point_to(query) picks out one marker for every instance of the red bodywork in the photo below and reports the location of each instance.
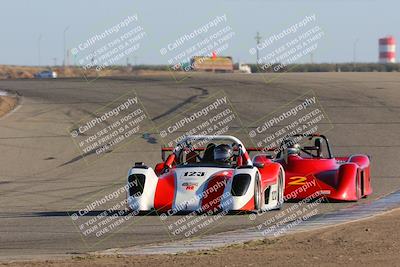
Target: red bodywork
(335, 178)
(338, 179)
(165, 191)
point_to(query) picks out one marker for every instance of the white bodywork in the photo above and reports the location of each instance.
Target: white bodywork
(191, 200)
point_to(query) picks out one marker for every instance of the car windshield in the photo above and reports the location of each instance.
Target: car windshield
(206, 164)
(306, 148)
(208, 153)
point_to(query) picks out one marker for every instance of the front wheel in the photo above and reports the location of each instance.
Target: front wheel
(281, 186)
(257, 195)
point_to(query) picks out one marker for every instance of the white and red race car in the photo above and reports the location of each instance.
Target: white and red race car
(207, 173)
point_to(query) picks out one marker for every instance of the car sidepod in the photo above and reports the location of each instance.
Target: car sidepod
(141, 186)
(354, 179)
(252, 189)
(273, 185)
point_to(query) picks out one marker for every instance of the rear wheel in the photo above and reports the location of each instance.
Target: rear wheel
(358, 189)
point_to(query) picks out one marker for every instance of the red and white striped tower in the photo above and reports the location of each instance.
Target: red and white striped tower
(387, 50)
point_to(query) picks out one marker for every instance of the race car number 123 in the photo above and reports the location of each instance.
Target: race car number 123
(194, 174)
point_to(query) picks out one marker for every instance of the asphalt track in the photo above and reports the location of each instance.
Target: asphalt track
(43, 177)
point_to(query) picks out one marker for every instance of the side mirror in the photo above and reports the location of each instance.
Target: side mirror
(159, 169)
(140, 165)
(317, 144)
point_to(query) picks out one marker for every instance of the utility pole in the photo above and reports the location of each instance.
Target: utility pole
(67, 62)
(258, 39)
(355, 54)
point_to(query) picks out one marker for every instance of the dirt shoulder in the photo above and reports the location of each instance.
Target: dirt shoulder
(7, 103)
(28, 72)
(372, 242)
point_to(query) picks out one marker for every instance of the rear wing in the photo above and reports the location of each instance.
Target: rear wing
(259, 149)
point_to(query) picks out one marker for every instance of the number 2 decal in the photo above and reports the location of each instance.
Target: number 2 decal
(297, 180)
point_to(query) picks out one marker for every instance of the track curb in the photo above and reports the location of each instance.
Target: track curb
(334, 218)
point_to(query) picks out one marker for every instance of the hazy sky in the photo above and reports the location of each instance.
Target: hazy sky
(343, 22)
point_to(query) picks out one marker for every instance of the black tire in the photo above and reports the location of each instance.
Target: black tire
(358, 189)
(257, 195)
(281, 192)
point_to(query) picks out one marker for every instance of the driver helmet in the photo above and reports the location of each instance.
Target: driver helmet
(293, 149)
(223, 153)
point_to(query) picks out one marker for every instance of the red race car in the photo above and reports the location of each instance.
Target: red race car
(203, 173)
(312, 171)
